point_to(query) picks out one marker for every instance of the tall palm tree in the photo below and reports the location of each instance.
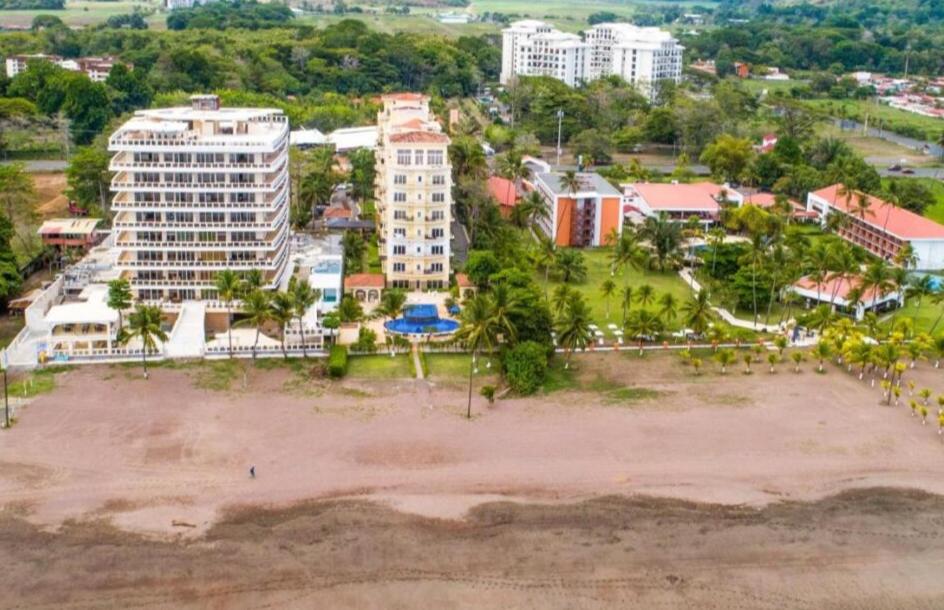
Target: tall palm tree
(282, 312)
(877, 276)
(668, 307)
(504, 307)
(561, 297)
(645, 294)
(478, 332)
(258, 313)
(252, 280)
(642, 325)
(119, 299)
(627, 297)
(665, 239)
(144, 323)
(304, 297)
(607, 288)
(573, 326)
(570, 181)
(545, 257)
(697, 312)
(570, 264)
(391, 303)
(227, 284)
(716, 237)
(512, 167)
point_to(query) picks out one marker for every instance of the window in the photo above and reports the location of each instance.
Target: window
(242, 217)
(399, 267)
(437, 215)
(181, 256)
(439, 180)
(150, 255)
(329, 295)
(242, 198)
(399, 232)
(399, 215)
(179, 216)
(399, 197)
(208, 178)
(435, 157)
(238, 236)
(147, 177)
(212, 217)
(208, 158)
(436, 267)
(439, 197)
(212, 198)
(399, 250)
(403, 157)
(418, 157)
(437, 233)
(399, 179)
(437, 249)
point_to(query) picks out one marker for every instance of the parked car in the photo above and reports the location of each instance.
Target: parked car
(894, 168)
(908, 171)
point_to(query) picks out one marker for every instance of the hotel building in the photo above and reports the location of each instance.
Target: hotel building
(641, 56)
(413, 192)
(96, 68)
(200, 189)
(584, 217)
(880, 227)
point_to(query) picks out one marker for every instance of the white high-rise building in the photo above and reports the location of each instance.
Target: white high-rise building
(199, 189)
(413, 193)
(641, 56)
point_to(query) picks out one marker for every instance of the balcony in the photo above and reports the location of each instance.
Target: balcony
(124, 201)
(272, 242)
(123, 182)
(270, 164)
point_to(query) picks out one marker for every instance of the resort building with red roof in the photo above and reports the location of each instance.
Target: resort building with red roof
(846, 295)
(880, 227)
(679, 201)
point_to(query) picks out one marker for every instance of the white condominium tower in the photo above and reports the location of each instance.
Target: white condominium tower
(200, 189)
(641, 56)
(533, 48)
(414, 180)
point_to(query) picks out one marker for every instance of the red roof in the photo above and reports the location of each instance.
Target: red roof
(700, 196)
(463, 281)
(412, 124)
(405, 97)
(503, 190)
(337, 212)
(841, 286)
(897, 221)
(420, 137)
(364, 280)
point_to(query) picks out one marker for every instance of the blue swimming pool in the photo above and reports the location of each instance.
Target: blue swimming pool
(421, 320)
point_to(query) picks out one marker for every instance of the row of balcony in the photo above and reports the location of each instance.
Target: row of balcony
(122, 182)
(125, 201)
(269, 163)
(228, 143)
(272, 242)
(148, 225)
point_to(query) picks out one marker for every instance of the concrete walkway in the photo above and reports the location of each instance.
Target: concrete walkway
(726, 315)
(188, 338)
(417, 363)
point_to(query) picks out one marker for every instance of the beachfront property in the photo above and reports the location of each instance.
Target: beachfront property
(640, 56)
(838, 293)
(584, 217)
(199, 189)
(679, 202)
(879, 227)
(70, 233)
(96, 68)
(413, 194)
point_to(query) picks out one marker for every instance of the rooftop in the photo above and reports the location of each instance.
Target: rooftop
(701, 196)
(841, 287)
(589, 183)
(365, 280)
(882, 215)
(70, 226)
(503, 190)
(420, 137)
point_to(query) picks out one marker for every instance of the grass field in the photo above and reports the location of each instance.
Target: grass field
(891, 119)
(380, 366)
(456, 366)
(83, 12)
(936, 211)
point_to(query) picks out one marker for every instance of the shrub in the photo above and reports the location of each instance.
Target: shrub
(366, 340)
(337, 361)
(525, 367)
(488, 393)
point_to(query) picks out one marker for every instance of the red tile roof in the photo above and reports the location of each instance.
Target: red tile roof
(700, 196)
(424, 137)
(337, 212)
(503, 190)
(463, 281)
(897, 221)
(841, 286)
(412, 124)
(364, 280)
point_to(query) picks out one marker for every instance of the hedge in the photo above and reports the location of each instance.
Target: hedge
(337, 361)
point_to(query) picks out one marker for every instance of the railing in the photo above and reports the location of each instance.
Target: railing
(202, 186)
(269, 166)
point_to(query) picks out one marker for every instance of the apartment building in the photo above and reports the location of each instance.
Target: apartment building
(96, 68)
(584, 216)
(641, 56)
(413, 193)
(199, 189)
(880, 227)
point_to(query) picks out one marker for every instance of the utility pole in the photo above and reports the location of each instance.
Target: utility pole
(560, 120)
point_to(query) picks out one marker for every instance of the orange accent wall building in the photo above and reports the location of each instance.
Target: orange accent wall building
(582, 218)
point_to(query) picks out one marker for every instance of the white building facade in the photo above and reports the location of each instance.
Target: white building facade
(641, 56)
(200, 189)
(413, 193)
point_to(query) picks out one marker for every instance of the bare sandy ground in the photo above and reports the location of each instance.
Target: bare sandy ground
(748, 468)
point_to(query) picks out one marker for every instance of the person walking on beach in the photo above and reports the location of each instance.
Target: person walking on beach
(252, 472)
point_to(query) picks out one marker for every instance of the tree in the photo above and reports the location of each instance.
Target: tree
(130, 89)
(644, 295)
(724, 358)
(728, 156)
(480, 266)
(665, 238)
(256, 307)
(573, 325)
(668, 307)
(304, 297)
(595, 147)
(282, 312)
(525, 367)
(797, 358)
(16, 199)
(350, 310)
(144, 324)
(607, 288)
(227, 284)
(119, 299)
(88, 177)
(627, 297)
(697, 312)
(570, 265)
(355, 249)
(87, 106)
(643, 325)
(478, 332)
(773, 359)
(391, 303)
(822, 351)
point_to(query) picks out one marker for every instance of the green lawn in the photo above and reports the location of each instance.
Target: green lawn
(381, 366)
(83, 12)
(456, 366)
(891, 118)
(598, 271)
(936, 211)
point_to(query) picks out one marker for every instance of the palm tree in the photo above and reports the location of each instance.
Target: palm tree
(668, 307)
(725, 358)
(570, 181)
(227, 284)
(606, 289)
(570, 265)
(252, 280)
(665, 238)
(780, 342)
(697, 312)
(772, 360)
(512, 167)
(716, 237)
(561, 297)
(504, 306)
(642, 325)
(478, 332)
(144, 323)
(573, 326)
(282, 312)
(119, 298)
(696, 365)
(304, 297)
(391, 303)
(821, 352)
(258, 312)
(626, 300)
(545, 257)
(645, 294)
(747, 359)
